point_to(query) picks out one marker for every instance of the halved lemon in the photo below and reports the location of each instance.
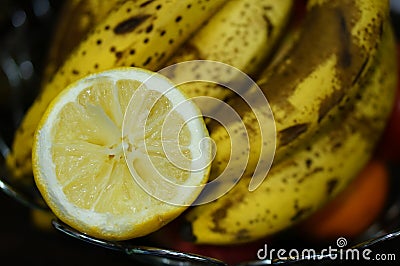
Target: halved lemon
(120, 153)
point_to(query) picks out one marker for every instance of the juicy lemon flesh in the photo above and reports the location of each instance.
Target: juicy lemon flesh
(87, 151)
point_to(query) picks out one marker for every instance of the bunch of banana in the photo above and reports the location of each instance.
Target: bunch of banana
(154, 34)
(77, 18)
(310, 86)
(312, 174)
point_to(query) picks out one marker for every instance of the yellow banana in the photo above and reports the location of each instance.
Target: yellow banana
(310, 176)
(76, 19)
(313, 83)
(141, 33)
(242, 34)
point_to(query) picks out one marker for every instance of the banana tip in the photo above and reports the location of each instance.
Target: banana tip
(186, 232)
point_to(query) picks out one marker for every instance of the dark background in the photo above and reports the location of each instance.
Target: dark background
(20, 241)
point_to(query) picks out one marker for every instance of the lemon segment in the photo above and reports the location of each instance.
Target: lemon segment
(120, 153)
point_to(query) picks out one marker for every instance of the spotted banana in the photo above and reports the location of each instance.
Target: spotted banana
(242, 34)
(310, 176)
(312, 84)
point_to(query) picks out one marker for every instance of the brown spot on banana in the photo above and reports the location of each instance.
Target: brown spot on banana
(270, 25)
(329, 102)
(146, 3)
(130, 24)
(300, 213)
(218, 215)
(288, 134)
(242, 235)
(361, 71)
(331, 185)
(221, 213)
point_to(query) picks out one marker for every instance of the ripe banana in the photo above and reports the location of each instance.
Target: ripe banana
(143, 33)
(76, 19)
(311, 175)
(242, 34)
(312, 84)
